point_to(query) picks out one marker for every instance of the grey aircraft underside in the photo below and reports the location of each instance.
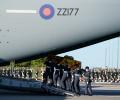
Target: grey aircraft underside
(30, 28)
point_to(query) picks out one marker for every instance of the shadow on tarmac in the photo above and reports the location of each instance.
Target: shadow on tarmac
(97, 90)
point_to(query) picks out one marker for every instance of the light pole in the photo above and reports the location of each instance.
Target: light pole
(118, 52)
(105, 57)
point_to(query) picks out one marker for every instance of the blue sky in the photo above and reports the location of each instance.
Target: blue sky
(94, 56)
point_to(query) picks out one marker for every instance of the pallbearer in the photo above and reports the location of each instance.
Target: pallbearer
(64, 77)
(77, 80)
(48, 74)
(56, 74)
(69, 80)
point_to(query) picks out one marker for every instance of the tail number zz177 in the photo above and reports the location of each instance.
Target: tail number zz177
(67, 11)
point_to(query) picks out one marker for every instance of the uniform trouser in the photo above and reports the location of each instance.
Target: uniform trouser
(76, 84)
(63, 80)
(45, 77)
(88, 88)
(55, 78)
(69, 84)
(61, 74)
(73, 88)
(49, 76)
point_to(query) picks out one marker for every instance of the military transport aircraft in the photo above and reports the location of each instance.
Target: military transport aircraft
(34, 28)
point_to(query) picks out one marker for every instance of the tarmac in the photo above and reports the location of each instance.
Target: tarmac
(100, 92)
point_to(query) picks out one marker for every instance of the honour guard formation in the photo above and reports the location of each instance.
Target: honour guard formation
(65, 74)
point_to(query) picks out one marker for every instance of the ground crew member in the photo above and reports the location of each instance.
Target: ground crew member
(88, 89)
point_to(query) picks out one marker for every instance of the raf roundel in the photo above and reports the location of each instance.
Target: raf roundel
(47, 11)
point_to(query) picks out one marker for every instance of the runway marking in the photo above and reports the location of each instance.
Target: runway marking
(21, 11)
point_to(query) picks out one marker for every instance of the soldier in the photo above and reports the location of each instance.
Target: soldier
(108, 76)
(101, 75)
(56, 74)
(88, 89)
(116, 75)
(64, 77)
(52, 64)
(77, 75)
(69, 80)
(0, 72)
(30, 73)
(8, 72)
(3, 72)
(16, 73)
(61, 71)
(20, 73)
(119, 75)
(49, 71)
(45, 77)
(24, 73)
(113, 76)
(37, 74)
(93, 74)
(97, 75)
(72, 83)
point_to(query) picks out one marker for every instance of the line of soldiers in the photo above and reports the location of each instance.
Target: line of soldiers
(105, 75)
(60, 75)
(16, 73)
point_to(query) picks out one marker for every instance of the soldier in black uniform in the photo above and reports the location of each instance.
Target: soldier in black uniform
(45, 77)
(37, 74)
(69, 80)
(116, 75)
(93, 74)
(101, 75)
(52, 64)
(20, 73)
(77, 75)
(72, 83)
(49, 71)
(25, 73)
(0, 72)
(64, 77)
(97, 75)
(88, 89)
(3, 72)
(8, 72)
(56, 74)
(30, 73)
(61, 71)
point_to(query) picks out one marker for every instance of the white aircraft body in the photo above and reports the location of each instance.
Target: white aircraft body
(31, 28)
